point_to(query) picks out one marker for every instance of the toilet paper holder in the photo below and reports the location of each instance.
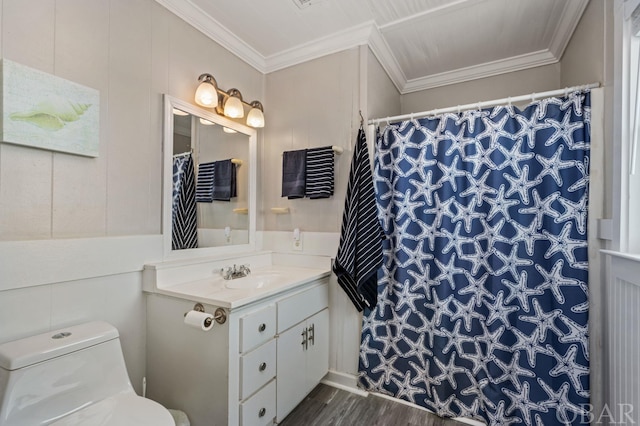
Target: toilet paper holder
(220, 316)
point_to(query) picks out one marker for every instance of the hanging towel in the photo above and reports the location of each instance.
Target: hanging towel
(204, 185)
(319, 179)
(294, 173)
(224, 180)
(184, 229)
(360, 251)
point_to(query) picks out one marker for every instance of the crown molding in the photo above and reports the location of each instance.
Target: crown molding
(568, 22)
(204, 23)
(369, 34)
(342, 40)
(488, 69)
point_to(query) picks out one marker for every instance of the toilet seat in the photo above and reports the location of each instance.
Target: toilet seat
(124, 409)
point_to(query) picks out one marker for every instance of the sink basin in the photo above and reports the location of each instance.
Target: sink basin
(253, 280)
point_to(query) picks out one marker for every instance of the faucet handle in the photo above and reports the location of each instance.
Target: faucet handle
(226, 272)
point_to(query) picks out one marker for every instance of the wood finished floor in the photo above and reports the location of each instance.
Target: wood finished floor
(326, 405)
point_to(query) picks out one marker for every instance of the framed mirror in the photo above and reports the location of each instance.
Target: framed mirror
(223, 219)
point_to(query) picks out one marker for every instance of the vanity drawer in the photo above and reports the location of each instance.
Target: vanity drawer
(257, 368)
(260, 409)
(300, 306)
(257, 327)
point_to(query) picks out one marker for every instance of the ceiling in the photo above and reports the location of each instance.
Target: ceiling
(420, 43)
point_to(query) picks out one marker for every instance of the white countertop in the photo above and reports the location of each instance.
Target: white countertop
(272, 280)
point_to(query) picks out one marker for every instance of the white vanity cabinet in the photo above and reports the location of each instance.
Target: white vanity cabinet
(303, 361)
(248, 371)
(303, 347)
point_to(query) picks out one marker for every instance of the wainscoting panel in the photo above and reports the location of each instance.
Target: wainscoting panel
(623, 342)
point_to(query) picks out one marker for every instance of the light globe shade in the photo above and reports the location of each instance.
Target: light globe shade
(233, 107)
(180, 112)
(255, 118)
(206, 95)
(228, 130)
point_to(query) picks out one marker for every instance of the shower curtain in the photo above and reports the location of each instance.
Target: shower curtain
(483, 309)
(184, 221)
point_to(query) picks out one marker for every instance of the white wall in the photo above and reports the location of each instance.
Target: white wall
(76, 231)
(382, 96)
(313, 104)
(523, 82)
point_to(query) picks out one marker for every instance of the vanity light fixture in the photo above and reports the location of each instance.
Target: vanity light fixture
(228, 103)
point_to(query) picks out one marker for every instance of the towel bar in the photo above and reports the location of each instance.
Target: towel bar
(336, 149)
(280, 210)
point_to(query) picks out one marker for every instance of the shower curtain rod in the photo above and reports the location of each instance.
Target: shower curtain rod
(480, 105)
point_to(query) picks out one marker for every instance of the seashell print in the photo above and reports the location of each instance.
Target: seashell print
(52, 114)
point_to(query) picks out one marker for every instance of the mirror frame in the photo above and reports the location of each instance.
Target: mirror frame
(167, 180)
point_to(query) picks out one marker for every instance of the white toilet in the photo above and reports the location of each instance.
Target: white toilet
(72, 376)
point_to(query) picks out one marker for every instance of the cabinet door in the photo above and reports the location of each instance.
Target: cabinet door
(318, 348)
(291, 370)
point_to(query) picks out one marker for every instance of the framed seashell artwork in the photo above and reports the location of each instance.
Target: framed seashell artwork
(45, 111)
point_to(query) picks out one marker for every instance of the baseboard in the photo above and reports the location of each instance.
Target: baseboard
(344, 381)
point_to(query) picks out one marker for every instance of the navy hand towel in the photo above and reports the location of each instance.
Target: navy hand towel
(204, 185)
(224, 180)
(319, 182)
(360, 251)
(294, 173)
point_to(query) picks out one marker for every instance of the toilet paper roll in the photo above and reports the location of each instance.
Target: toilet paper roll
(200, 320)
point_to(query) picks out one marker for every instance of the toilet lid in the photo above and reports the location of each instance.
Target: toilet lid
(125, 409)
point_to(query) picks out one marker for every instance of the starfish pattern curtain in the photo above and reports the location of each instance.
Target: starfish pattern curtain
(483, 299)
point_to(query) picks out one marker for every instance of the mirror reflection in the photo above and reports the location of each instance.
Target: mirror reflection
(219, 182)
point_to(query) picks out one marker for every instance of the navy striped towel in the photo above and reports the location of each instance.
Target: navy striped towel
(224, 180)
(204, 185)
(184, 222)
(319, 182)
(293, 173)
(360, 251)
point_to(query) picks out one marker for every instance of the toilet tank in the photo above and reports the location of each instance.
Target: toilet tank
(48, 376)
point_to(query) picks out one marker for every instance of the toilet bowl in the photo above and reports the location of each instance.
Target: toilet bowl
(72, 376)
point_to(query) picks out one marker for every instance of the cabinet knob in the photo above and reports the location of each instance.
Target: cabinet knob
(263, 366)
(262, 327)
(262, 412)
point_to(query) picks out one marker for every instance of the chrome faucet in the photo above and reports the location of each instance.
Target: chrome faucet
(230, 273)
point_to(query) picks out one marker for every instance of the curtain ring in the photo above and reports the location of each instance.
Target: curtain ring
(458, 109)
(566, 92)
(533, 97)
(509, 101)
